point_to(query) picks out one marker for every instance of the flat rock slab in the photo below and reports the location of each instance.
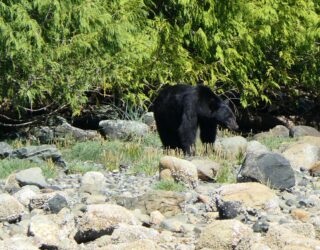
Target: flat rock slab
(39, 154)
(250, 194)
(31, 176)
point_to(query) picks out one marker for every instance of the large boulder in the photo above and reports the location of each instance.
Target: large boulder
(250, 195)
(181, 170)
(268, 168)
(302, 155)
(297, 131)
(101, 219)
(122, 129)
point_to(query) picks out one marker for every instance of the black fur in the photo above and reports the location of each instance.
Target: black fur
(180, 109)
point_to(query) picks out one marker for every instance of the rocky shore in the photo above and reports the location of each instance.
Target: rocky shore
(273, 204)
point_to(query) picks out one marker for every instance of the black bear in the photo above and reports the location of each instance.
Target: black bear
(180, 109)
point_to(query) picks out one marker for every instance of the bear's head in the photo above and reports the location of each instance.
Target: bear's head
(223, 114)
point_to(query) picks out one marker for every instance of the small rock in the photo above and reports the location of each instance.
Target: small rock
(148, 118)
(93, 182)
(56, 203)
(260, 227)
(255, 147)
(5, 150)
(11, 185)
(25, 194)
(156, 217)
(207, 169)
(128, 233)
(31, 176)
(315, 169)
(228, 209)
(172, 225)
(300, 214)
(11, 209)
(181, 170)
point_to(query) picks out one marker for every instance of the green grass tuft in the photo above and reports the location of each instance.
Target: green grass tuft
(274, 143)
(8, 166)
(169, 186)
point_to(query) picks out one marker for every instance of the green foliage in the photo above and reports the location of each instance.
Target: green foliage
(169, 186)
(253, 48)
(53, 52)
(8, 166)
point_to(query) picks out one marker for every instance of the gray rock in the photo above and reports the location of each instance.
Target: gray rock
(5, 149)
(128, 233)
(268, 168)
(207, 169)
(43, 134)
(122, 129)
(302, 155)
(180, 170)
(18, 242)
(56, 203)
(93, 182)
(166, 202)
(44, 231)
(277, 131)
(148, 118)
(25, 194)
(297, 131)
(256, 147)
(31, 176)
(65, 130)
(101, 219)
(39, 154)
(260, 226)
(11, 209)
(231, 146)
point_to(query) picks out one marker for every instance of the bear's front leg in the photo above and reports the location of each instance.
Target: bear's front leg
(187, 133)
